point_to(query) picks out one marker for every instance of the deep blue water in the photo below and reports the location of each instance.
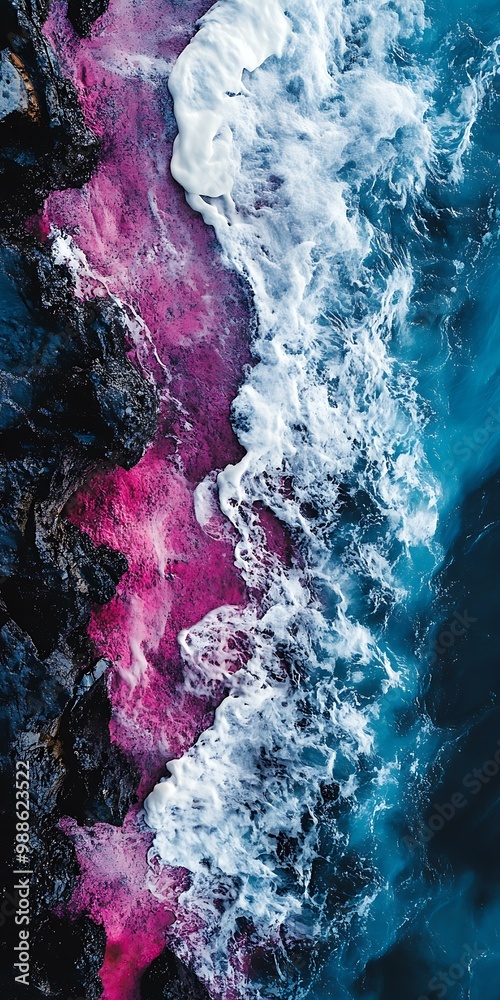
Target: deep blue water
(364, 213)
(434, 931)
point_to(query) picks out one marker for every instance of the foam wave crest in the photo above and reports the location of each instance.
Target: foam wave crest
(289, 120)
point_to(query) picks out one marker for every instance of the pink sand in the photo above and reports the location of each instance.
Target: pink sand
(138, 235)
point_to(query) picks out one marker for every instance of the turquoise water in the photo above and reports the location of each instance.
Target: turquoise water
(433, 930)
(363, 158)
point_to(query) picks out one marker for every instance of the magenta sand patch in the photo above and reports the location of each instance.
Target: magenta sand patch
(144, 246)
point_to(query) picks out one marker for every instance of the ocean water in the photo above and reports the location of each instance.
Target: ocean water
(341, 814)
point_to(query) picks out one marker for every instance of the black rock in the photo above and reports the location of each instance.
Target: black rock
(56, 871)
(100, 782)
(73, 401)
(66, 958)
(167, 978)
(44, 142)
(70, 402)
(83, 13)
(30, 693)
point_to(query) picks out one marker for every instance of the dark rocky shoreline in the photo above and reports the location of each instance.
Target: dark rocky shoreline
(71, 402)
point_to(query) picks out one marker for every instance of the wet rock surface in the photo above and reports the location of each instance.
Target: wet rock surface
(44, 142)
(169, 979)
(83, 13)
(100, 783)
(67, 957)
(70, 401)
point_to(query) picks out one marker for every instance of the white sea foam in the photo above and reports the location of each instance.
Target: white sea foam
(286, 122)
(235, 35)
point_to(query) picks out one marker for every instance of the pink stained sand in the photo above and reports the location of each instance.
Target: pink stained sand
(145, 246)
